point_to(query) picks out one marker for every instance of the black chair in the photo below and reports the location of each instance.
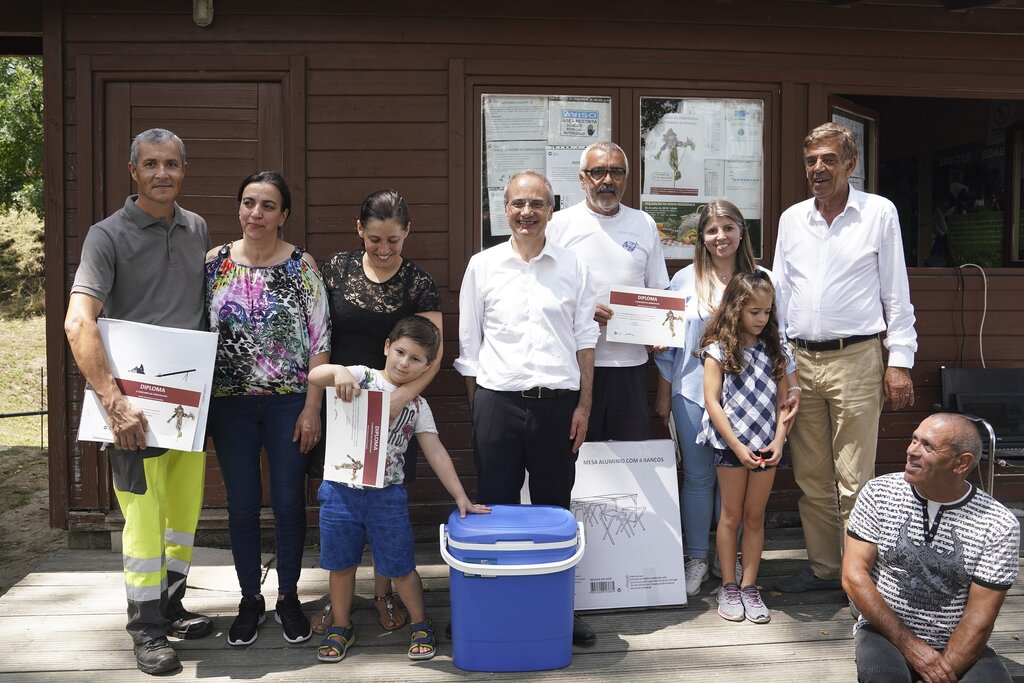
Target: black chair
(959, 381)
(989, 447)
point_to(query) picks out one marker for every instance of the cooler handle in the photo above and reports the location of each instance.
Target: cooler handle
(513, 569)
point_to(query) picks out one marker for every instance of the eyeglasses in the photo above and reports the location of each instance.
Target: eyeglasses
(600, 172)
(535, 204)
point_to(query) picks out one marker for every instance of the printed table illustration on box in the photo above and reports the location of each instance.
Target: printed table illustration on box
(614, 512)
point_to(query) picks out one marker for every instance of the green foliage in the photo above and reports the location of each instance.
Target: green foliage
(22, 364)
(21, 134)
(21, 265)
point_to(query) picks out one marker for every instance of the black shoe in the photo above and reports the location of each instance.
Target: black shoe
(156, 657)
(294, 623)
(189, 625)
(806, 581)
(251, 613)
(581, 633)
(448, 631)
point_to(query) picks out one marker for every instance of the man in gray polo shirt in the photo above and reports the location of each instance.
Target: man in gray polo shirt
(144, 264)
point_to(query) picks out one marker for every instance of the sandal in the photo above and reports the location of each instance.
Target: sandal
(323, 621)
(391, 614)
(336, 643)
(421, 635)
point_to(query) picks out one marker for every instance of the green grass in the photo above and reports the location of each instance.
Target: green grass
(22, 356)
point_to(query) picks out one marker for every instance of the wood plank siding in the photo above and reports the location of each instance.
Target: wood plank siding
(350, 98)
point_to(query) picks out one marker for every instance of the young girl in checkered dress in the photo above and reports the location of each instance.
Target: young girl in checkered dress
(744, 362)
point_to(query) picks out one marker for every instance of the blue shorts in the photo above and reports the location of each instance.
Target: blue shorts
(349, 517)
(724, 457)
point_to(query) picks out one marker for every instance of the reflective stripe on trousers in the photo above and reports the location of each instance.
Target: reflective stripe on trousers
(159, 532)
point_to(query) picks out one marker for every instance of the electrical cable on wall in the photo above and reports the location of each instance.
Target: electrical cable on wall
(959, 334)
(984, 306)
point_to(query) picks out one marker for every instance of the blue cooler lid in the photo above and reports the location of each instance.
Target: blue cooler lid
(534, 523)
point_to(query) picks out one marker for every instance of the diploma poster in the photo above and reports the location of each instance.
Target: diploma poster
(357, 438)
(645, 316)
(627, 498)
(695, 150)
(164, 371)
(543, 133)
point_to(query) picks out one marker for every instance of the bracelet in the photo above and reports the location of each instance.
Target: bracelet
(796, 389)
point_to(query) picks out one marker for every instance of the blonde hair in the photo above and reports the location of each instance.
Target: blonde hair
(704, 274)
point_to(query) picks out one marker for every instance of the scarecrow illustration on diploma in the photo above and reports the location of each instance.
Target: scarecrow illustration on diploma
(179, 415)
(670, 320)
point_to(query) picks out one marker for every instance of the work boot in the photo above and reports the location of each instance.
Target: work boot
(156, 656)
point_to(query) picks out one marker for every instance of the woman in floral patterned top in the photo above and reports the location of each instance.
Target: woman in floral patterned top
(369, 290)
(269, 307)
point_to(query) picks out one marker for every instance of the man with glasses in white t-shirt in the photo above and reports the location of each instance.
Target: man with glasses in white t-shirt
(621, 246)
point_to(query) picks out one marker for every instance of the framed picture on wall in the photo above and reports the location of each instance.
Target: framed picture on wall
(694, 150)
(863, 123)
(542, 133)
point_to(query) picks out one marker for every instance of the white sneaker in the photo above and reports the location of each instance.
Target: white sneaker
(753, 607)
(730, 602)
(696, 571)
(716, 569)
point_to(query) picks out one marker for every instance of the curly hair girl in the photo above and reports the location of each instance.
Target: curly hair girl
(725, 326)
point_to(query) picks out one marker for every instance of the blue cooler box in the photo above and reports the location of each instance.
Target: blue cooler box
(512, 582)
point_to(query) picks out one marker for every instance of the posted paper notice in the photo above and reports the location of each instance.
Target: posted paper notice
(357, 438)
(646, 316)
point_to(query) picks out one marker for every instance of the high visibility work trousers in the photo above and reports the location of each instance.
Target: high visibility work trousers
(160, 497)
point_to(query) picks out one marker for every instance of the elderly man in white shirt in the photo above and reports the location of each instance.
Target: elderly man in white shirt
(526, 348)
(621, 246)
(842, 281)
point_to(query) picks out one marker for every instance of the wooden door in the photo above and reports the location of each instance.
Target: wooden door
(230, 129)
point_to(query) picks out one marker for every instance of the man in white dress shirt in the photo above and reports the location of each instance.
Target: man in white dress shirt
(621, 246)
(842, 281)
(526, 348)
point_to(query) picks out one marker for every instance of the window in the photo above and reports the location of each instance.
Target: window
(543, 133)
(693, 150)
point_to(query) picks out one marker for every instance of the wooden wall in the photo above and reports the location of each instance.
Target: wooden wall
(381, 95)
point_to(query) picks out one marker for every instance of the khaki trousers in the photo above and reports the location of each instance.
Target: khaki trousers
(833, 443)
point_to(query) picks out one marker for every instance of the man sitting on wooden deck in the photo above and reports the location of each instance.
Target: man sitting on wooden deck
(928, 561)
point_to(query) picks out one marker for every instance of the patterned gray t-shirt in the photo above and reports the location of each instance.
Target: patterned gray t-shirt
(924, 570)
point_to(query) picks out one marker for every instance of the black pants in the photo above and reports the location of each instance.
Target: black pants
(620, 411)
(513, 435)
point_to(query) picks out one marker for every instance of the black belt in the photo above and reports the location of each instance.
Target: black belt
(538, 392)
(832, 344)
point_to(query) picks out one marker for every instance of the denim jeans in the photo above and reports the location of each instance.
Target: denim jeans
(240, 426)
(697, 499)
(879, 661)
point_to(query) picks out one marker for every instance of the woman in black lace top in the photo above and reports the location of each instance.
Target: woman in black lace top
(368, 291)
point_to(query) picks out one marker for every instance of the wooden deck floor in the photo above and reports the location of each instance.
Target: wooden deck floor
(65, 622)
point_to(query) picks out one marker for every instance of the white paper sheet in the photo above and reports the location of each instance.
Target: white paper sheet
(157, 356)
(357, 438)
(646, 316)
